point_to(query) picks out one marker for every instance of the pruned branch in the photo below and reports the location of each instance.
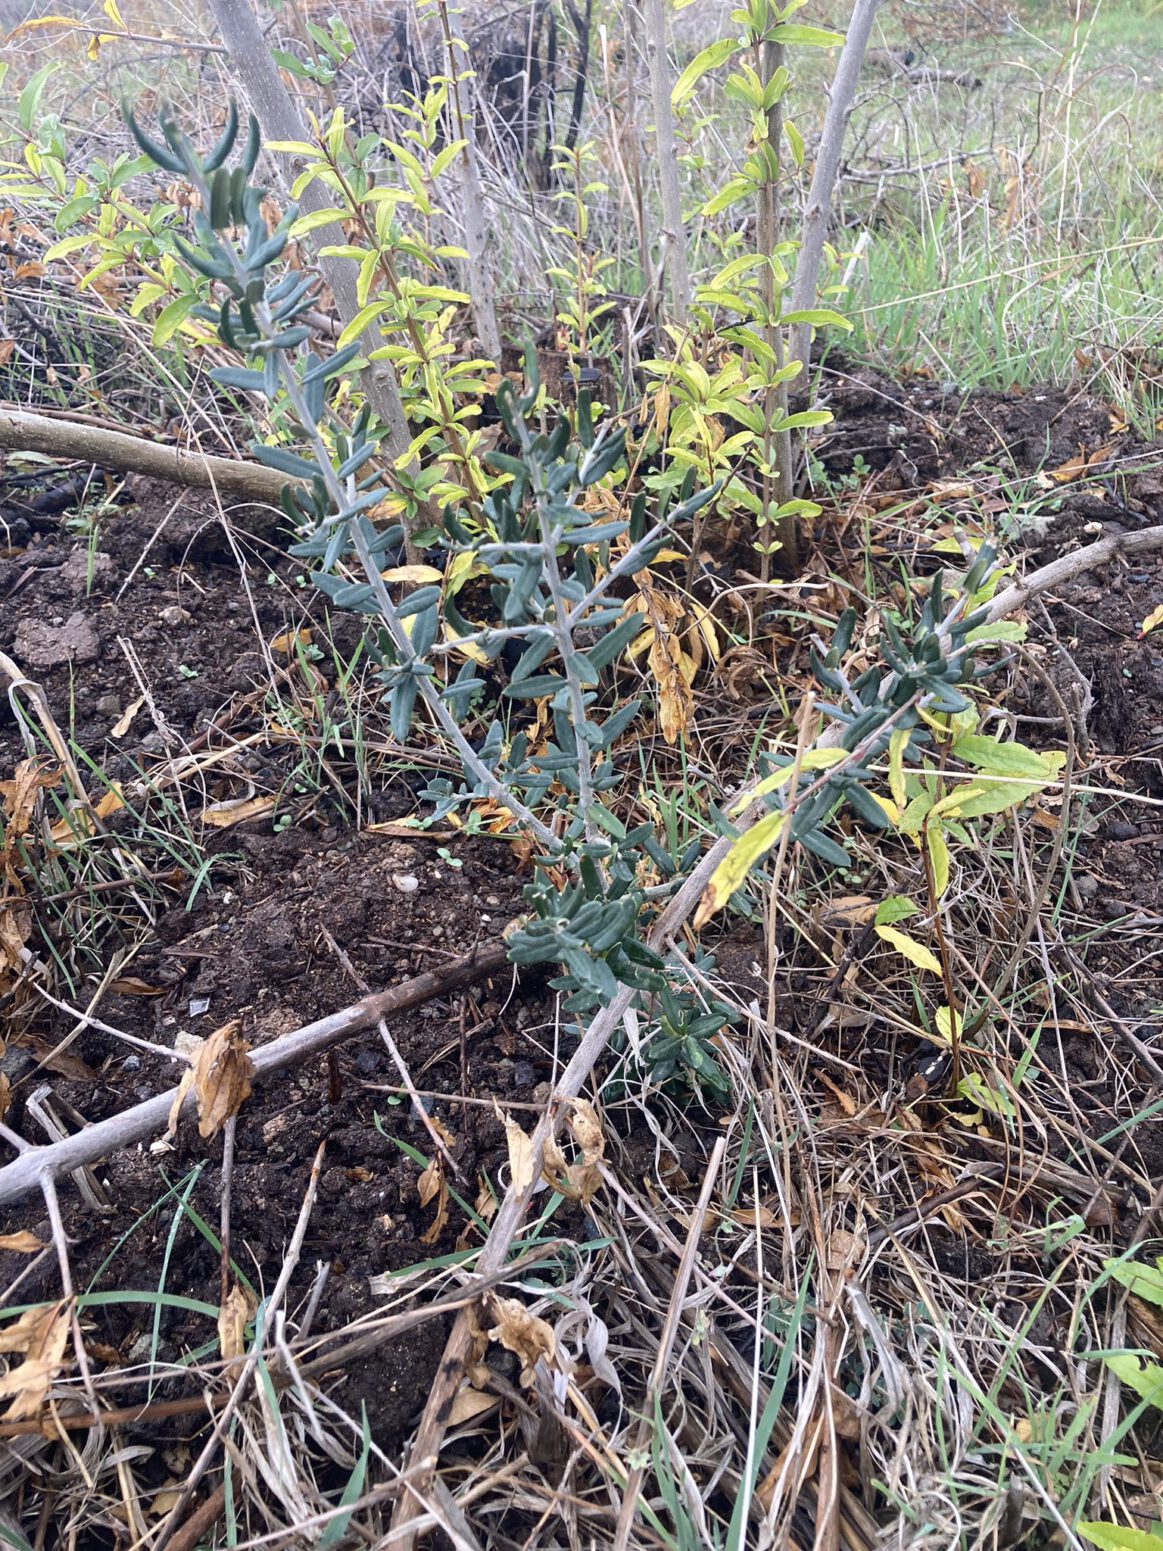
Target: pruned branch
(22, 431)
(36, 1164)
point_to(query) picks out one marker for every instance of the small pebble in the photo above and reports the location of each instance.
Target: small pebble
(524, 1074)
(131, 1064)
(405, 882)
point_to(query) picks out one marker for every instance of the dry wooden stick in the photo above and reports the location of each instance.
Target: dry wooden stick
(22, 431)
(36, 1164)
(1066, 567)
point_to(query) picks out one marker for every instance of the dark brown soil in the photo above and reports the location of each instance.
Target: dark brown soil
(291, 924)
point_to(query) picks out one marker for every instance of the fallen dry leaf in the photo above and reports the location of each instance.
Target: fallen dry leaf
(1073, 468)
(131, 985)
(433, 1185)
(469, 1403)
(847, 911)
(523, 1333)
(20, 794)
(587, 1130)
(289, 640)
(220, 1076)
(234, 1314)
(22, 1243)
(125, 721)
(41, 1335)
(1153, 620)
(221, 815)
(520, 1153)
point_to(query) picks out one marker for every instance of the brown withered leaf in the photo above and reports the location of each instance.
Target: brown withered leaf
(22, 1243)
(235, 1312)
(522, 1333)
(848, 910)
(5, 1094)
(587, 1130)
(220, 1076)
(19, 795)
(433, 1185)
(520, 1152)
(41, 1335)
(755, 1216)
(131, 985)
(468, 1403)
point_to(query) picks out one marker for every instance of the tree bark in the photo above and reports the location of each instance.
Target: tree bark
(279, 119)
(22, 431)
(819, 206)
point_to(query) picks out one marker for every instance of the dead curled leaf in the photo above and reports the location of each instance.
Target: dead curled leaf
(587, 1130)
(41, 1335)
(520, 1153)
(234, 1314)
(522, 1333)
(220, 1077)
(22, 1243)
(432, 1185)
(31, 777)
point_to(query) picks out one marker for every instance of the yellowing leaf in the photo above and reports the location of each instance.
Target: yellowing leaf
(814, 759)
(413, 573)
(914, 951)
(114, 15)
(993, 757)
(1153, 620)
(939, 857)
(753, 844)
(947, 1024)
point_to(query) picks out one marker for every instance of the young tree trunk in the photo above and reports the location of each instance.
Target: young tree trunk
(480, 287)
(678, 284)
(778, 449)
(815, 224)
(279, 119)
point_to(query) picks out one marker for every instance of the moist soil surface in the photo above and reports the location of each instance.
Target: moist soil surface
(159, 608)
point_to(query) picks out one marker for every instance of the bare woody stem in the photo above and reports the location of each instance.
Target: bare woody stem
(815, 223)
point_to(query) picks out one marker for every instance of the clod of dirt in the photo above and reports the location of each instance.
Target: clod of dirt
(42, 645)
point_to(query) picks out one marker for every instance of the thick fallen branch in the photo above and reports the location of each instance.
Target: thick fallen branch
(21, 431)
(1066, 567)
(35, 1164)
